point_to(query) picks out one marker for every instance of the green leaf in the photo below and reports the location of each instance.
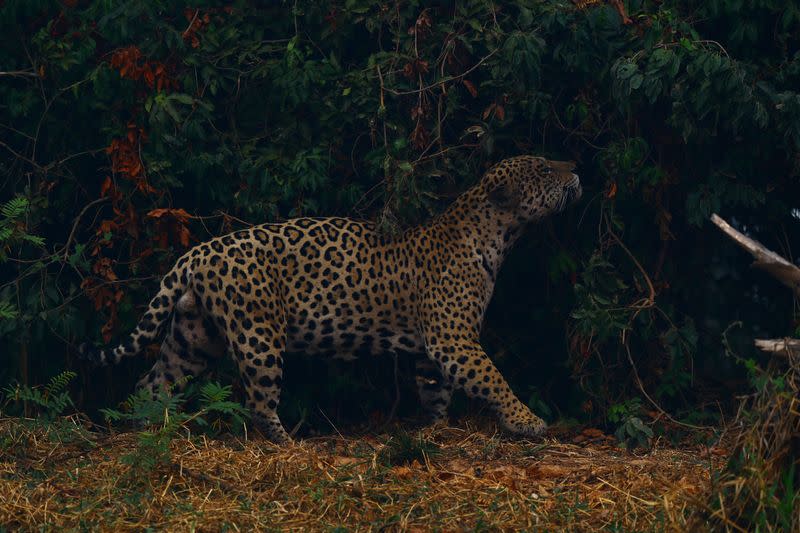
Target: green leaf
(8, 311)
(182, 98)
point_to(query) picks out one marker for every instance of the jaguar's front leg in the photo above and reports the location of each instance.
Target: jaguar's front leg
(468, 367)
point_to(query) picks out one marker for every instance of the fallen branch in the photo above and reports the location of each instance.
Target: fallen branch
(765, 259)
(781, 347)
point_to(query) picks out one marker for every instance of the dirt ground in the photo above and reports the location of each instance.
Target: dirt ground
(441, 478)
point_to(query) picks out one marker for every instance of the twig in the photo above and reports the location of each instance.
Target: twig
(446, 80)
(199, 476)
(60, 162)
(189, 27)
(643, 304)
(77, 221)
(20, 156)
(651, 298)
(331, 423)
(19, 74)
(646, 502)
(649, 398)
(297, 426)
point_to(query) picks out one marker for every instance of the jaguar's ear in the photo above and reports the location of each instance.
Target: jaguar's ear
(504, 196)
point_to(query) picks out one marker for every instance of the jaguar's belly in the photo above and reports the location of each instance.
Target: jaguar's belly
(348, 337)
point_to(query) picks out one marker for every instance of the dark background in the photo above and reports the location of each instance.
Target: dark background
(130, 131)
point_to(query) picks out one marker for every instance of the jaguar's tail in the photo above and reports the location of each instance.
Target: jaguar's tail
(150, 326)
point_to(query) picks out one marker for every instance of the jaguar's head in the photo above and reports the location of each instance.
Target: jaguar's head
(531, 187)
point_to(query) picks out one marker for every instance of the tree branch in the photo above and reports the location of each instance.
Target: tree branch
(780, 347)
(765, 259)
(20, 74)
(446, 80)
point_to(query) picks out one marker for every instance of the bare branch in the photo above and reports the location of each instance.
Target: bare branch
(444, 81)
(77, 221)
(20, 74)
(765, 259)
(781, 347)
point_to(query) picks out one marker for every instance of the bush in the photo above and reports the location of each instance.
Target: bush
(134, 130)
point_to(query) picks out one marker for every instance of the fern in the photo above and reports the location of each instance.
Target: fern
(11, 231)
(161, 413)
(60, 382)
(164, 416)
(14, 208)
(143, 408)
(8, 311)
(214, 401)
(51, 400)
(33, 239)
(214, 392)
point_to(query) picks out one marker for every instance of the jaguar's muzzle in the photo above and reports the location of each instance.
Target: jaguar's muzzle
(573, 190)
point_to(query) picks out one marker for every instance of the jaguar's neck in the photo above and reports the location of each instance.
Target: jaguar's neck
(474, 221)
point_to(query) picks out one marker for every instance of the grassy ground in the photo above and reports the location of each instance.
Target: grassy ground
(445, 478)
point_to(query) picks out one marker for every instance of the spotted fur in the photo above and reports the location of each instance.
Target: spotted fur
(337, 287)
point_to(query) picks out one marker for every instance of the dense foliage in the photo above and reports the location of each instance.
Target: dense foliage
(132, 130)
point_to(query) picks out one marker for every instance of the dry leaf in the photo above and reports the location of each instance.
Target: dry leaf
(544, 471)
(402, 472)
(593, 433)
(620, 7)
(470, 87)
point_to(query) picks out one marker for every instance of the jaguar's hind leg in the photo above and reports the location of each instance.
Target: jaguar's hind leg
(256, 341)
(434, 391)
(185, 352)
(260, 362)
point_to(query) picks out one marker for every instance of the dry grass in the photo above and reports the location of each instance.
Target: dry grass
(474, 481)
(760, 488)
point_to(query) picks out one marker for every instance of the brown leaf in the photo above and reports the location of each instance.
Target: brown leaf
(593, 433)
(402, 472)
(547, 471)
(420, 137)
(184, 235)
(470, 87)
(507, 475)
(583, 4)
(157, 213)
(343, 460)
(177, 214)
(106, 186)
(458, 466)
(620, 7)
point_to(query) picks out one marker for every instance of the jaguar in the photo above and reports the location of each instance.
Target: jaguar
(339, 287)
